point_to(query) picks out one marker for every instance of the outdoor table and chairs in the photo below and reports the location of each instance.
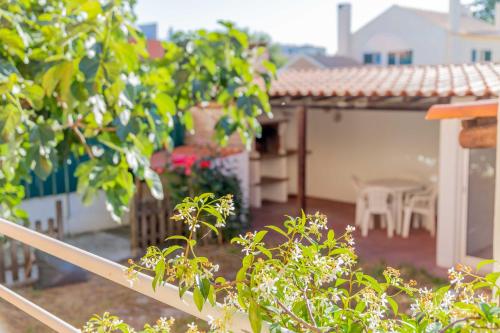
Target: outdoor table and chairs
(396, 201)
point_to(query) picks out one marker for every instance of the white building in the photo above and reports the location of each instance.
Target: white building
(403, 35)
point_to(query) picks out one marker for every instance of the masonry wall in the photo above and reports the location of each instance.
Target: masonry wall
(77, 217)
(369, 144)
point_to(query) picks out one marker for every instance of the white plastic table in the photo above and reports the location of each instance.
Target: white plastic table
(398, 187)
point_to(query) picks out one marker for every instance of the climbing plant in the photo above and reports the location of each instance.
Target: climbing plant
(306, 278)
(76, 80)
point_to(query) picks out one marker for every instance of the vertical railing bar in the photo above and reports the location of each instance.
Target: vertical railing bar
(36, 312)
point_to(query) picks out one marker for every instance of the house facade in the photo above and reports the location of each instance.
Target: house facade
(404, 36)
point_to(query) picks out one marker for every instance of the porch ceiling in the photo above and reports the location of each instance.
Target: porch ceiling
(417, 103)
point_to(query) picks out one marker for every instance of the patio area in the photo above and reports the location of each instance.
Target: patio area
(419, 250)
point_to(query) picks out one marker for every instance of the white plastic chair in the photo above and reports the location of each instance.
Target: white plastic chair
(422, 204)
(360, 200)
(378, 202)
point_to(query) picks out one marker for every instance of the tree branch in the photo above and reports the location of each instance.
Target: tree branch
(450, 325)
(83, 141)
(308, 305)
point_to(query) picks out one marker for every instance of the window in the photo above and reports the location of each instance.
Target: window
(486, 55)
(400, 58)
(373, 58)
(482, 55)
(391, 58)
(480, 203)
(474, 55)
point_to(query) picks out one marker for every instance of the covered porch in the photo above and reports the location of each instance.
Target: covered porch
(368, 122)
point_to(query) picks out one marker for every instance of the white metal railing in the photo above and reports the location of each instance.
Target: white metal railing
(167, 294)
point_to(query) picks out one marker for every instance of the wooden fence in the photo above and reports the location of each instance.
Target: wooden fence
(150, 222)
(17, 260)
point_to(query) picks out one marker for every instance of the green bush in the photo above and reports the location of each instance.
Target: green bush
(206, 177)
(308, 283)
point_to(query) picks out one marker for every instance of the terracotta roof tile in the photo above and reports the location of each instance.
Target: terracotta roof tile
(481, 80)
(155, 49)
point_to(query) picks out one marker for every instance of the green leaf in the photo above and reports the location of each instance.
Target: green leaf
(10, 118)
(35, 94)
(198, 298)
(43, 166)
(277, 229)
(394, 305)
(211, 227)
(159, 273)
(255, 316)
(484, 263)
(12, 41)
(178, 237)
(92, 8)
(67, 71)
(259, 236)
(171, 249)
(211, 296)
(165, 104)
(154, 183)
(265, 251)
(50, 79)
(187, 119)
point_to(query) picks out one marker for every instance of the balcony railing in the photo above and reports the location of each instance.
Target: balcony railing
(167, 294)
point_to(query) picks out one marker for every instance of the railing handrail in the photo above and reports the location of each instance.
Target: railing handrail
(36, 311)
(167, 294)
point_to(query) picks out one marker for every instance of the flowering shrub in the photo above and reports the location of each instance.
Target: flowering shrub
(309, 282)
(190, 175)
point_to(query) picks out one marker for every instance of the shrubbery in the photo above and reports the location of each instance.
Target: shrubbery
(310, 282)
(191, 176)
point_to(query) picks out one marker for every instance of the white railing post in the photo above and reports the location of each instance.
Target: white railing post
(167, 294)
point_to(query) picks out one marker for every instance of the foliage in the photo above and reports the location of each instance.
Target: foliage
(276, 56)
(190, 178)
(310, 281)
(75, 80)
(484, 9)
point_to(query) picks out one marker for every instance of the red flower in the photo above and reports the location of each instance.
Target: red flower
(184, 161)
(205, 164)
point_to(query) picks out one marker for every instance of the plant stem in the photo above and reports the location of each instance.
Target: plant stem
(297, 319)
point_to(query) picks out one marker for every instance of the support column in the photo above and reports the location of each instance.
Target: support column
(496, 221)
(301, 157)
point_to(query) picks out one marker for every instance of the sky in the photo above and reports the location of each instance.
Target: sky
(286, 21)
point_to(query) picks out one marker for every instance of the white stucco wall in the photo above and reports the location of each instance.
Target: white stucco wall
(77, 218)
(467, 43)
(398, 30)
(369, 144)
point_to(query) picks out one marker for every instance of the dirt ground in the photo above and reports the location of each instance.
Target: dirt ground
(78, 302)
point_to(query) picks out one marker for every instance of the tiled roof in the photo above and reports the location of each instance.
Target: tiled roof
(481, 80)
(155, 49)
(468, 23)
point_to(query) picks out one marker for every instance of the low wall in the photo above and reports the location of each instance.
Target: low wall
(77, 218)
